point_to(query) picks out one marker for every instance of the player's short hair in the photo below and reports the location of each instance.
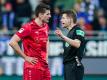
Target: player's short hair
(71, 13)
(41, 8)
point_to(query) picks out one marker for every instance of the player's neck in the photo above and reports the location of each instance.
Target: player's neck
(71, 26)
(38, 22)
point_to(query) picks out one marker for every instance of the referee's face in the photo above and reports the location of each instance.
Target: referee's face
(65, 21)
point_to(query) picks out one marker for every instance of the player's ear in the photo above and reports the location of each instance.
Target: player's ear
(71, 20)
(40, 14)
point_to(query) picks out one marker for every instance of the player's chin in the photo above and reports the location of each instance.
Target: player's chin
(63, 26)
(46, 21)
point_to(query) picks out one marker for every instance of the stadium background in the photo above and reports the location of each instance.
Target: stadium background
(91, 16)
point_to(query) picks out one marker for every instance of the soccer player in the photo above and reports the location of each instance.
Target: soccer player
(74, 46)
(34, 36)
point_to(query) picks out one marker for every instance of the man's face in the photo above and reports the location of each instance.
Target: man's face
(65, 21)
(46, 16)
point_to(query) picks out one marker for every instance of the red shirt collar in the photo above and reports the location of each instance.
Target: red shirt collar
(35, 25)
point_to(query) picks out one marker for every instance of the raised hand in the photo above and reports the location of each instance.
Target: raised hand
(58, 32)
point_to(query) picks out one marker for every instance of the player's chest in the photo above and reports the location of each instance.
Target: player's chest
(71, 34)
(39, 34)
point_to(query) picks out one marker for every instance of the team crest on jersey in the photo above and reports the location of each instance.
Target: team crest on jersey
(21, 30)
(66, 44)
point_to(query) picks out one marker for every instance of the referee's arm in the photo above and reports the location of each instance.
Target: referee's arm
(76, 42)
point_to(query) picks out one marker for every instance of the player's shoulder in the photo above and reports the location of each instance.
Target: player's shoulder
(78, 27)
(79, 31)
(27, 25)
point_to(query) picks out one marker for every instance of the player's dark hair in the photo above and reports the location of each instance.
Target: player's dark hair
(71, 14)
(41, 8)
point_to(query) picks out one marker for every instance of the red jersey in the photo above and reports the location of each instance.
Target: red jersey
(34, 39)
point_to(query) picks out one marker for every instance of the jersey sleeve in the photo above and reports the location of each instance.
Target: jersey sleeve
(24, 31)
(79, 34)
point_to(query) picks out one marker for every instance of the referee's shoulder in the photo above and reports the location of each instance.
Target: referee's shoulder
(78, 27)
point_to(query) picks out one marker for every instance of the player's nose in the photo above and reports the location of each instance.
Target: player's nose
(49, 16)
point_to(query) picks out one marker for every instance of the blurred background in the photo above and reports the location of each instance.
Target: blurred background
(91, 16)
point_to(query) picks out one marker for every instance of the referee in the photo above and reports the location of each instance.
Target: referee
(74, 46)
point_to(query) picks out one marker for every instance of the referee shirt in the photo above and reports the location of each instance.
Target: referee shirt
(71, 52)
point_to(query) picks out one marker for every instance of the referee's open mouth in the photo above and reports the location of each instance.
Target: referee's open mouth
(63, 24)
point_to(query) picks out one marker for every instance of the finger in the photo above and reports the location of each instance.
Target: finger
(34, 61)
(35, 58)
(57, 28)
(57, 32)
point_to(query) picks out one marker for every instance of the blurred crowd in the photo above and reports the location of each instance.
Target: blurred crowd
(91, 14)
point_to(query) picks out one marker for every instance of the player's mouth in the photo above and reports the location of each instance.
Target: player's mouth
(47, 20)
(63, 23)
